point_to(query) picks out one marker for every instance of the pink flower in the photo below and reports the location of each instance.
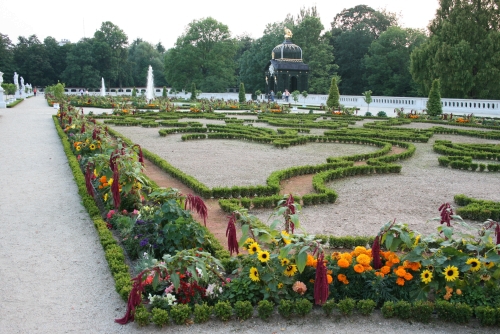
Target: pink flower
(78, 157)
(124, 212)
(110, 214)
(135, 212)
(299, 287)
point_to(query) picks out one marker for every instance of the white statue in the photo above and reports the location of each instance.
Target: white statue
(1, 77)
(22, 82)
(16, 80)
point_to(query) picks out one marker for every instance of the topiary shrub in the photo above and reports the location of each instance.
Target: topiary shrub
(265, 309)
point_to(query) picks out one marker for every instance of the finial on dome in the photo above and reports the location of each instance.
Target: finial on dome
(288, 33)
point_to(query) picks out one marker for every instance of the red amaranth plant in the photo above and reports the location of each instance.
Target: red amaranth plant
(195, 203)
(141, 157)
(320, 282)
(232, 242)
(115, 186)
(495, 224)
(446, 213)
(82, 130)
(88, 178)
(289, 204)
(377, 261)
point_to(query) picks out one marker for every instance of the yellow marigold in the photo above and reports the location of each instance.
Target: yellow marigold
(358, 250)
(359, 268)
(400, 281)
(329, 278)
(335, 255)
(343, 263)
(110, 182)
(105, 197)
(363, 259)
(310, 260)
(385, 270)
(408, 276)
(401, 272)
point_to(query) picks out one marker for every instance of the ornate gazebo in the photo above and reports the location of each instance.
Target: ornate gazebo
(286, 70)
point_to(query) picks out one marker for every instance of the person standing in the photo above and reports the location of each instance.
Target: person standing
(34, 91)
(271, 95)
(287, 95)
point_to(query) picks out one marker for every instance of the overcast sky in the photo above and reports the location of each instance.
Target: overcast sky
(164, 21)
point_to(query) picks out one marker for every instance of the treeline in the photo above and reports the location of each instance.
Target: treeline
(364, 49)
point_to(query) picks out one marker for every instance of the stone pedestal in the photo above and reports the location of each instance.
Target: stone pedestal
(2, 102)
(17, 94)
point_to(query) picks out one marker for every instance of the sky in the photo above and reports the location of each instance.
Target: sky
(165, 21)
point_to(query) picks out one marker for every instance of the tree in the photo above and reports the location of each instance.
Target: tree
(241, 94)
(367, 96)
(81, 65)
(463, 51)
(304, 95)
(353, 31)
(32, 61)
(204, 54)
(295, 95)
(141, 54)
(7, 64)
(57, 56)
(387, 63)
(333, 100)
(112, 60)
(193, 92)
(434, 107)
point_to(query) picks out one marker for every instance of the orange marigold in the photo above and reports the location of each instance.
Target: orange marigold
(358, 250)
(400, 281)
(347, 257)
(342, 278)
(310, 260)
(408, 276)
(412, 265)
(378, 273)
(103, 179)
(329, 278)
(401, 272)
(343, 263)
(394, 259)
(359, 268)
(385, 270)
(368, 268)
(335, 255)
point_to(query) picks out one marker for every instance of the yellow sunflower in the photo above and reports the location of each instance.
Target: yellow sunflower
(489, 265)
(263, 256)
(92, 147)
(474, 263)
(78, 148)
(285, 262)
(285, 237)
(249, 241)
(253, 248)
(426, 276)
(254, 274)
(450, 273)
(290, 270)
(280, 285)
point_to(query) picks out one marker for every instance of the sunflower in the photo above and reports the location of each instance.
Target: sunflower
(285, 262)
(290, 270)
(489, 265)
(78, 148)
(263, 256)
(254, 274)
(280, 285)
(474, 263)
(249, 241)
(426, 276)
(92, 147)
(450, 273)
(359, 268)
(253, 248)
(285, 237)
(485, 277)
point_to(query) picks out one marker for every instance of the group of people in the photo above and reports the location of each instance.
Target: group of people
(286, 94)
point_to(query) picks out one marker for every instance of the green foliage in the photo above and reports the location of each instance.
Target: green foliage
(142, 316)
(402, 309)
(381, 114)
(365, 306)
(265, 309)
(434, 107)
(388, 309)
(9, 89)
(134, 92)
(333, 100)
(241, 289)
(223, 310)
(328, 307)
(286, 308)
(453, 312)
(421, 311)
(487, 316)
(346, 306)
(243, 310)
(164, 93)
(202, 313)
(241, 93)
(160, 317)
(193, 92)
(180, 313)
(295, 95)
(303, 307)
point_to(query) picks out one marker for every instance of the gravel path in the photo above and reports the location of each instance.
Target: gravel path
(53, 274)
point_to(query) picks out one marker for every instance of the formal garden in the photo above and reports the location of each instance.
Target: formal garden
(171, 267)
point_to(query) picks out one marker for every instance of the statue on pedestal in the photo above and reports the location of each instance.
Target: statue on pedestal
(16, 80)
(1, 77)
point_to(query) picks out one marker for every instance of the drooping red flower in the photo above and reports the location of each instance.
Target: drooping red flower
(141, 157)
(88, 177)
(232, 242)
(195, 203)
(377, 261)
(321, 288)
(446, 213)
(82, 130)
(289, 204)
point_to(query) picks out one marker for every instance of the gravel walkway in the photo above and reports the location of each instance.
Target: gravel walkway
(53, 274)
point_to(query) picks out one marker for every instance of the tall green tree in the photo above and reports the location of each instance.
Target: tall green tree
(333, 100)
(387, 63)
(434, 107)
(141, 54)
(57, 55)
(204, 54)
(81, 66)
(7, 64)
(32, 61)
(111, 43)
(241, 93)
(463, 50)
(353, 31)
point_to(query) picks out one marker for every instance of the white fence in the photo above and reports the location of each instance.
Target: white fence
(459, 106)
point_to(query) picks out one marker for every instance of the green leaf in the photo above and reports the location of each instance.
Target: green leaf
(174, 277)
(274, 224)
(388, 240)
